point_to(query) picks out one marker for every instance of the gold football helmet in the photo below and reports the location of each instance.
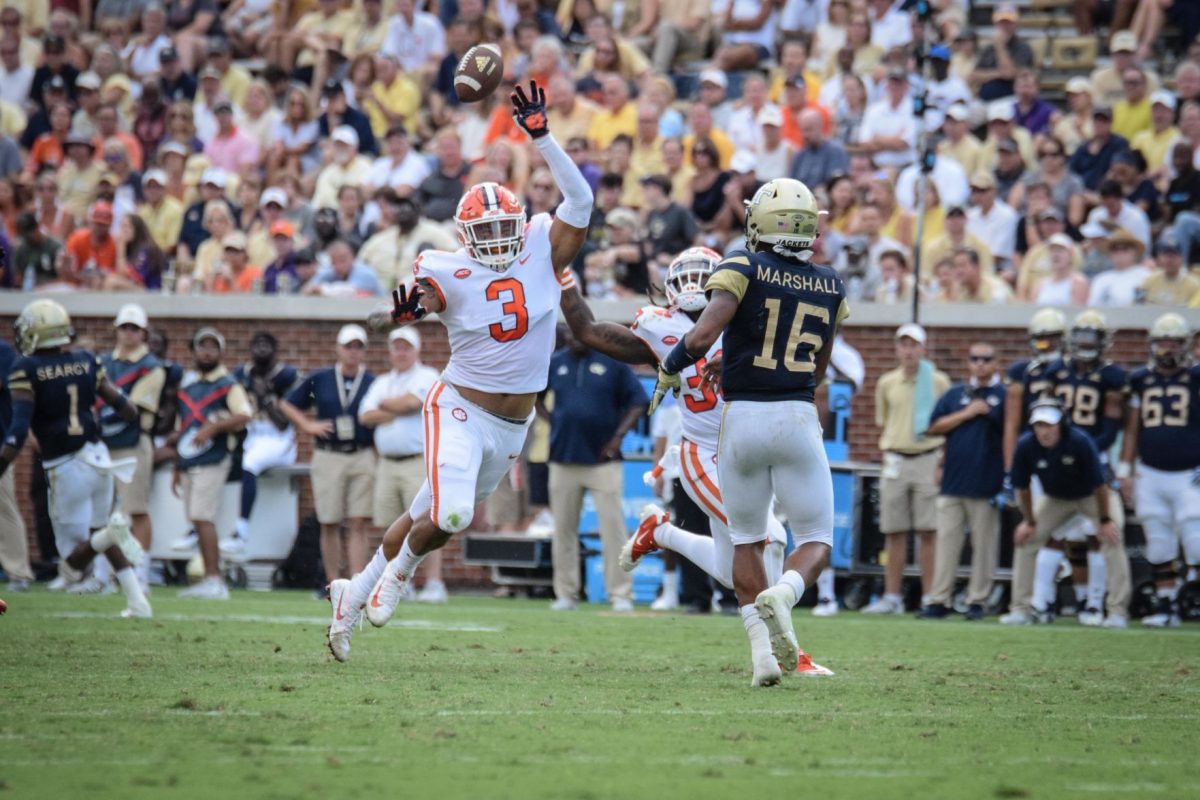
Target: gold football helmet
(1089, 335)
(42, 324)
(1169, 338)
(1046, 330)
(782, 217)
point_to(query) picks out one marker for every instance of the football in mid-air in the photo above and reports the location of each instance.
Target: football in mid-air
(479, 73)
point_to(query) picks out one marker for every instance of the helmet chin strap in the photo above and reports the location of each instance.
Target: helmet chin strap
(799, 255)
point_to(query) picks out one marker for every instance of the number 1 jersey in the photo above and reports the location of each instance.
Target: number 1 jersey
(501, 324)
(787, 311)
(700, 409)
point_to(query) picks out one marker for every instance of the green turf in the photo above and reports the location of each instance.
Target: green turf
(494, 698)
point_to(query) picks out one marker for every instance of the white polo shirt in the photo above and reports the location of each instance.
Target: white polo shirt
(404, 435)
(883, 119)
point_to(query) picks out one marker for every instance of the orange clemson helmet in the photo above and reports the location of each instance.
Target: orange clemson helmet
(490, 221)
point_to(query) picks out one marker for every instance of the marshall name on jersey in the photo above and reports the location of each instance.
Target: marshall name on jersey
(787, 311)
(501, 324)
(64, 387)
(661, 329)
(1169, 407)
(1082, 391)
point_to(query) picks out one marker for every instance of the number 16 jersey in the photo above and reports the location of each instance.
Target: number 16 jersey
(700, 409)
(787, 311)
(501, 324)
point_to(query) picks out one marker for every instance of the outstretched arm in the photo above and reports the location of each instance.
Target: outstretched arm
(609, 338)
(722, 305)
(569, 229)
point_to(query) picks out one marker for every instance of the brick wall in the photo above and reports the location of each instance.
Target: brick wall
(306, 334)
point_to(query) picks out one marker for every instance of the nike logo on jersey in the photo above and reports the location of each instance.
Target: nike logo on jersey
(523, 260)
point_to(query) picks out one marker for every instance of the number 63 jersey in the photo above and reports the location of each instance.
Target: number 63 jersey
(700, 408)
(1169, 408)
(501, 324)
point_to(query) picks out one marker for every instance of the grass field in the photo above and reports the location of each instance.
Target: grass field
(502, 698)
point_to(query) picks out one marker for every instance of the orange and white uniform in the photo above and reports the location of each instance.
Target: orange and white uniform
(502, 331)
(700, 413)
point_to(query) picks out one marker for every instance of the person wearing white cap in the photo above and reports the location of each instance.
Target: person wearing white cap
(212, 408)
(1077, 504)
(1063, 284)
(1075, 127)
(270, 438)
(1107, 84)
(713, 86)
(742, 122)
(133, 369)
(161, 212)
(1001, 126)
(959, 143)
(347, 167)
(776, 153)
(343, 464)
(1000, 59)
(1155, 142)
(392, 406)
(904, 401)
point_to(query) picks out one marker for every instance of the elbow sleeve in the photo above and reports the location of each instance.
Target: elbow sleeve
(576, 207)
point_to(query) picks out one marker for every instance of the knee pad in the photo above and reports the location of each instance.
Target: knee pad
(453, 519)
(1162, 543)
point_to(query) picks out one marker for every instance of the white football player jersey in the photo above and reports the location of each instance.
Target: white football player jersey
(700, 410)
(501, 324)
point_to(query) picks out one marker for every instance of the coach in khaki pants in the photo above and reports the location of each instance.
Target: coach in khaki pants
(392, 406)
(14, 547)
(904, 401)
(971, 417)
(597, 400)
(343, 463)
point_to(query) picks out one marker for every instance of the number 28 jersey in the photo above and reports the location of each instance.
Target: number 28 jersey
(787, 311)
(501, 324)
(700, 409)
(1082, 393)
(1169, 407)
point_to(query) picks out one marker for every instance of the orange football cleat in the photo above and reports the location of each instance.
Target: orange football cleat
(643, 538)
(806, 667)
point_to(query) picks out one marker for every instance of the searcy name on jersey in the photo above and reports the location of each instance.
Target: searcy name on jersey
(800, 283)
(72, 369)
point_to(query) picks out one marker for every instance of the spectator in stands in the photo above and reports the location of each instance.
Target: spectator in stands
(343, 464)
(1131, 114)
(971, 473)
(279, 276)
(89, 250)
(234, 273)
(403, 235)
(35, 251)
(1170, 284)
(708, 185)
(344, 275)
(47, 152)
(999, 61)
(904, 401)
(1066, 189)
(1129, 171)
(1000, 127)
(400, 167)
(747, 31)
(14, 546)
(859, 271)
(214, 408)
(972, 285)
(619, 268)
(218, 222)
(1041, 221)
(1183, 192)
(842, 204)
(346, 168)
(993, 221)
(1155, 142)
(338, 113)
(675, 159)
(1010, 167)
(56, 66)
(140, 262)
(392, 407)
(888, 132)
(819, 159)
(1115, 212)
(1062, 284)
(1031, 112)
(439, 193)
(1187, 82)
(683, 31)
(670, 229)
(1075, 126)
(776, 155)
(859, 55)
(958, 142)
(78, 175)
(700, 120)
(230, 149)
(1107, 82)
(1120, 285)
(616, 116)
(713, 85)
(597, 400)
(896, 280)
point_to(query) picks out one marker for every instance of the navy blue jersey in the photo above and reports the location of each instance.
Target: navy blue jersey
(125, 375)
(65, 389)
(1032, 375)
(1169, 406)
(267, 390)
(787, 311)
(1069, 471)
(8, 357)
(1082, 391)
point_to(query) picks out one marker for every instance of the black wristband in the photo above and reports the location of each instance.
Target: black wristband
(678, 359)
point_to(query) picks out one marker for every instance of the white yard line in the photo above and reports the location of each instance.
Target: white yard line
(286, 619)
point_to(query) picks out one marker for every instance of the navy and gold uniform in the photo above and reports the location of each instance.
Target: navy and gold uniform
(141, 377)
(771, 442)
(1032, 374)
(1169, 411)
(1082, 389)
(65, 388)
(787, 311)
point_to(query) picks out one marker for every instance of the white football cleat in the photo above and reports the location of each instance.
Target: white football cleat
(1116, 621)
(766, 671)
(345, 617)
(667, 601)
(825, 608)
(885, 605)
(642, 541)
(806, 668)
(774, 607)
(389, 590)
(187, 543)
(1016, 618)
(433, 592)
(234, 547)
(58, 584)
(89, 585)
(140, 610)
(1091, 617)
(211, 588)
(1161, 621)
(122, 537)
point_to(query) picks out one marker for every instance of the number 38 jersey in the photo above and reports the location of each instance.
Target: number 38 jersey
(700, 410)
(1169, 407)
(787, 311)
(1082, 392)
(501, 324)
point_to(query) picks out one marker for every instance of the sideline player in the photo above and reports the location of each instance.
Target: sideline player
(1164, 435)
(498, 297)
(270, 438)
(1092, 391)
(654, 332)
(780, 315)
(54, 392)
(1026, 378)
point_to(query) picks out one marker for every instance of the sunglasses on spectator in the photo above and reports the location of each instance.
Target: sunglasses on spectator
(981, 359)
(1049, 153)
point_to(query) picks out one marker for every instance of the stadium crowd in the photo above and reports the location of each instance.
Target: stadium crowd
(317, 147)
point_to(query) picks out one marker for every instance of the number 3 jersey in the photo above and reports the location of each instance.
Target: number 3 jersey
(787, 311)
(700, 409)
(501, 324)
(1169, 407)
